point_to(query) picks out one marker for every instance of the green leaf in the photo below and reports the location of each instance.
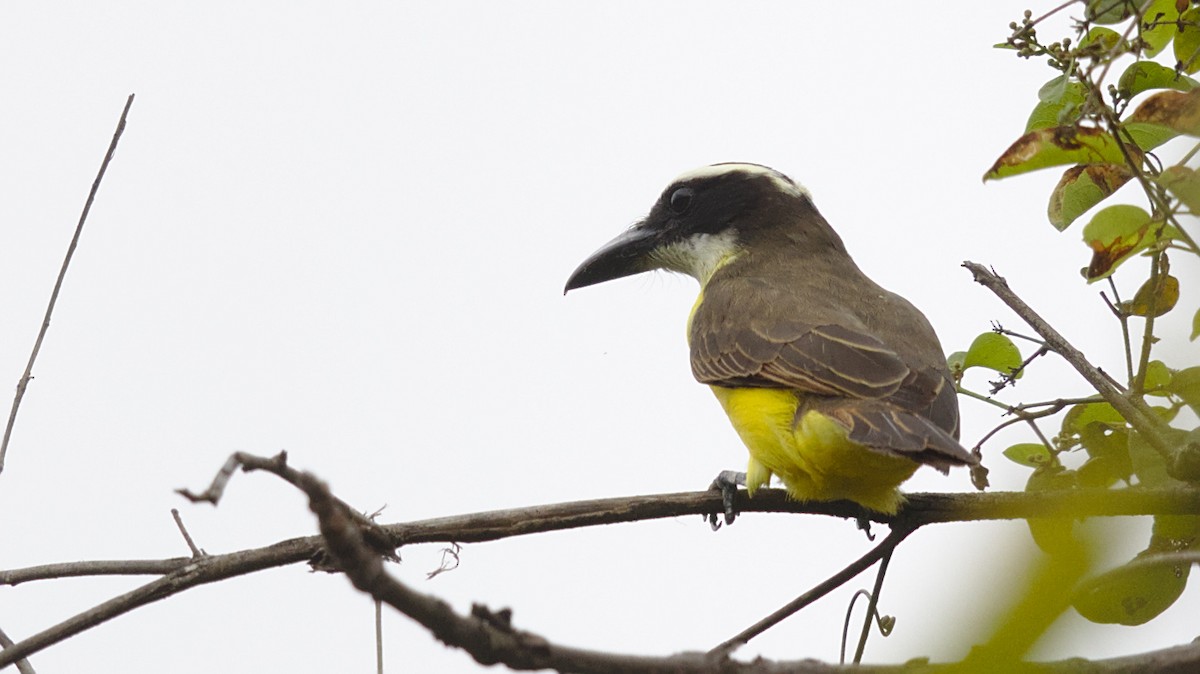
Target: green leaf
(1132, 594)
(1162, 13)
(1159, 294)
(1146, 75)
(1099, 472)
(1148, 464)
(1100, 40)
(1158, 375)
(1059, 102)
(1187, 41)
(1081, 188)
(1108, 11)
(1115, 234)
(1167, 414)
(1186, 384)
(1175, 532)
(1108, 449)
(1184, 184)
(993, 351)
(1195, 327)
(1080, 416)
(1147, 136)
(1056, 146)
(1032, 454)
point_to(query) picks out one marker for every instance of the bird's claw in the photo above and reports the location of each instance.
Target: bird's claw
(727, 481)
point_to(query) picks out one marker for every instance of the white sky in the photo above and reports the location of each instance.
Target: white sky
(342, 229)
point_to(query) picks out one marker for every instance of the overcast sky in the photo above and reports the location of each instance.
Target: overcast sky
(343, 229)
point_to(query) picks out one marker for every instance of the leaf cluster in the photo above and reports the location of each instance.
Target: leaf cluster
(1120, 95)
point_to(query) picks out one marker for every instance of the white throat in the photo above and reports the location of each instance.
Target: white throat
(700, 255)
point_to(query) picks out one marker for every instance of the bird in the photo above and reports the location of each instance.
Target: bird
(836, 386)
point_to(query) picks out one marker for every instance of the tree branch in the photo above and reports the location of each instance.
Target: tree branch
(186, 573)
(1135, 411)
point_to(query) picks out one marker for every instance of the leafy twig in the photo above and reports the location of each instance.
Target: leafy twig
(1133, 409)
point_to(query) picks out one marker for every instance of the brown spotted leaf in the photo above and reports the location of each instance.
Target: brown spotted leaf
(1115, 234)
(1163, 116)
(1187, 41)
(1081, 188)
(1057, 146)
(1157, 27)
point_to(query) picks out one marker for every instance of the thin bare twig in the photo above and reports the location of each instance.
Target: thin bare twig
(196, 552)
(378, 637)
(898, 533)
(23, 383)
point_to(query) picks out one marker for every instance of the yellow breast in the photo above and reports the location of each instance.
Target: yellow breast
(812, 454)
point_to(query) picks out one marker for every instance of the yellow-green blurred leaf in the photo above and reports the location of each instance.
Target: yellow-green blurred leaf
(1108, 449)
(1115, 234)
(1132, 594)
(1108, 11)
(1099, 472)
(1161, 293)
(993, 351)
(1187, 41)
(1032, 454)
(1147, 463)
(1195, 327)
(1167, 414)
(1146, 75)
(1175, 532)
(1052, 534)
(1057, 146)
(1082, 187)
(1184, 184)
(1158, 375)
(1186, 384)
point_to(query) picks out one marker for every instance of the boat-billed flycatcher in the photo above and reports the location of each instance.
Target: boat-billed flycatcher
(837, 386)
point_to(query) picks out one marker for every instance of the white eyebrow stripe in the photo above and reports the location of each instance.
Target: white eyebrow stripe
(781, 181)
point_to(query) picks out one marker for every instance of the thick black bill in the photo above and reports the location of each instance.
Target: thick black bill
(625, 255)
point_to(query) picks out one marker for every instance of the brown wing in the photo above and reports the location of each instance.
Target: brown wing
(755, 343)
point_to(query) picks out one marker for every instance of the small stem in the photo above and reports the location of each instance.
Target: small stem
(983, 398)
(1124, 320)
(1138, 384)
(872, 607)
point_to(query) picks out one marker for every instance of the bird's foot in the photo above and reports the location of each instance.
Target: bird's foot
(864, 525)
(727, 481)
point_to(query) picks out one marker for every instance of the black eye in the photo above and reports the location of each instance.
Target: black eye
(680, 200)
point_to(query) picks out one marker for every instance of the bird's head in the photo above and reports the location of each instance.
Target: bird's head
(703, 219)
